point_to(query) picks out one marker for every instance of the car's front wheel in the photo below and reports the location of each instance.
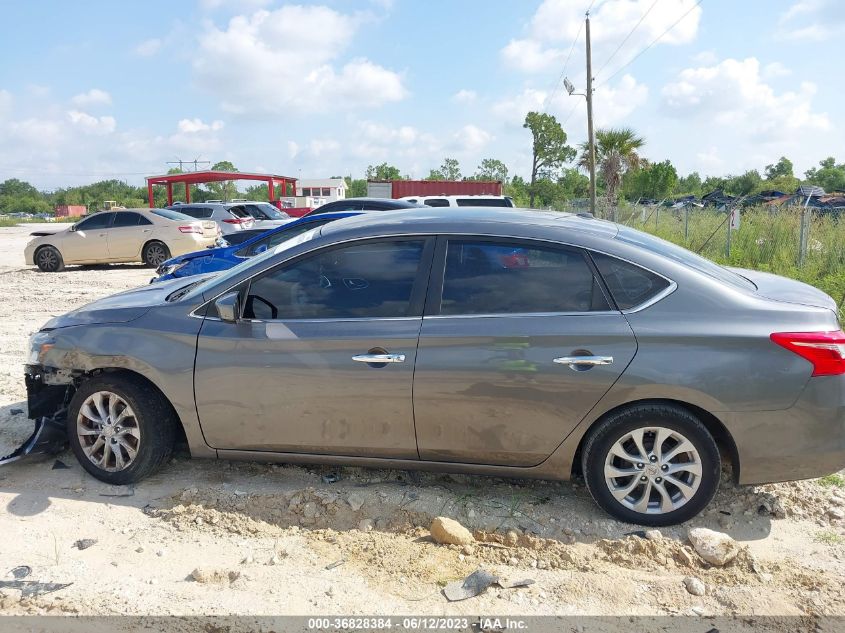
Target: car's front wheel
(120, 429)
(155, 253)
(49, 260)
(651, 464)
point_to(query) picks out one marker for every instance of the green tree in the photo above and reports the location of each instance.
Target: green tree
(744, 184)
(829, 176)
(227, 189)
(383, 172)
(356, 188)
(573, 184)
(616, 152)
(15, 187)
(650, 180)
(492, 169)
(781, 168)
(689, 185)
(549, 150)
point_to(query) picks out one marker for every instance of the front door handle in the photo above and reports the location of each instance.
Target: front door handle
(379, 358)
(584, 361)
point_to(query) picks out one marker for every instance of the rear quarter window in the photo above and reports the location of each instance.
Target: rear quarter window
(629, 285)
(483, 202)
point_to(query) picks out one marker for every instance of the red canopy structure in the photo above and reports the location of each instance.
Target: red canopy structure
(200, 177)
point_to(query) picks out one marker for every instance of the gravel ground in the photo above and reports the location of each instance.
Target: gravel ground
(292, 540)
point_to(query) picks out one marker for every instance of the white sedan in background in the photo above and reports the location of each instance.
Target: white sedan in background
(128, 235)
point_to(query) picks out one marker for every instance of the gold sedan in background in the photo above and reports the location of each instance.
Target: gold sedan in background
(128, 235)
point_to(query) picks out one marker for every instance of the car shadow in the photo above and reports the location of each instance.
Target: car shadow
(350, 498)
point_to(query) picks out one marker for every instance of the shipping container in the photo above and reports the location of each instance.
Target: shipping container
(70, 210)
(402, 188)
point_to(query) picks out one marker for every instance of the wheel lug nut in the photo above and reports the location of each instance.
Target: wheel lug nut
(643, 478)
(664, 467)
(653, 458)
(640, 466)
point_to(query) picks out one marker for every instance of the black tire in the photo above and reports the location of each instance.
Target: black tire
(49, 259)
(155, 420)
(155, 253)
(615, 427)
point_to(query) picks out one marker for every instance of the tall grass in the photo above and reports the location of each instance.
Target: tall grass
(767, 240)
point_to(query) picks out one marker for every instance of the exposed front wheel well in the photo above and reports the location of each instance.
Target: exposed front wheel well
(724, 440)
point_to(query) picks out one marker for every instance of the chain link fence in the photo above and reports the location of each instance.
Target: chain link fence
(799, 242)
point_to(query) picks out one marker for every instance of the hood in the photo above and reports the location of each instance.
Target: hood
(43, 233)
(787, 290)
(122, 307)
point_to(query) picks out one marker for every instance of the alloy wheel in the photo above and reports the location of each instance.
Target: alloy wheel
(48, 259)
(108, 431)
(653, 470)
(155, 254)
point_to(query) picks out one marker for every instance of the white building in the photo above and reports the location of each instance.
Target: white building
(329, 189)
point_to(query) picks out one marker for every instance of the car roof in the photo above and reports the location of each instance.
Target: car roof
(323, 217)
(460, 220)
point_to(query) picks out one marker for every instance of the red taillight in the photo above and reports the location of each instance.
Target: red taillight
(825, 350)
(238, 220)
(191, 229)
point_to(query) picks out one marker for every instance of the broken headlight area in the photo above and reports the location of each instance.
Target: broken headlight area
(48, 392)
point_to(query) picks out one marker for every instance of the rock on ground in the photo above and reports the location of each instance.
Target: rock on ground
(694, 586)
(714, 547)
(447, 531)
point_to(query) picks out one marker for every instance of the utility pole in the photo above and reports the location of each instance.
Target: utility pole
(590, 135)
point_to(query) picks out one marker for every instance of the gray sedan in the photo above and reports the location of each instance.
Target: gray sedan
(500, 342)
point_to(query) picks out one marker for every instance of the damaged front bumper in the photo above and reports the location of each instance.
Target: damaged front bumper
(48, 393)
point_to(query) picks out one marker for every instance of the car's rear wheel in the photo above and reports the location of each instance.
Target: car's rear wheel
(155, 253)
(651, 464)
(49, 259)
(120, 429)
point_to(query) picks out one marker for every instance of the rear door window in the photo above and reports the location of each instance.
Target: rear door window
(629, 285)
(436, 202)
(491, 277)
(199, 213)
(126, 218)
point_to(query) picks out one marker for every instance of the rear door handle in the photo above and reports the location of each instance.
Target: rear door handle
(379, 358)
(584, 361)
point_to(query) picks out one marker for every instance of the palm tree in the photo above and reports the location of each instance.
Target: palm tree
(616, 153)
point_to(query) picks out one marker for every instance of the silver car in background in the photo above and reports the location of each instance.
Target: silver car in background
(230, 217)
(502, 342)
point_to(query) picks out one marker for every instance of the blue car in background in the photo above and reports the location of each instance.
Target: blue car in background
(224, 257)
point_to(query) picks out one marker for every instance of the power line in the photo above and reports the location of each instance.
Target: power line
(630, 33)
(654, 41)
(550, 95)
(548, 98)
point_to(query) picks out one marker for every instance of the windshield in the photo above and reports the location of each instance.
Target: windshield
(682, 256)
(171, 215)
(254, 261)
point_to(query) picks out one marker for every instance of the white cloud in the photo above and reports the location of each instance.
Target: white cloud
(812, 20)
(513, 109)
(93, 97)
(272, 62)
(237, 5)
(191, 126)
(5, 104)
(465, 96)
(149, 47)
(733, 94)
(557, 23)
(92, 124)
(774, 70)
(293, 149)
(705, 58)
(613, 104)
(471, 138)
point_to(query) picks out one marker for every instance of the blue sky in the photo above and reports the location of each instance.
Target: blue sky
(99, 89)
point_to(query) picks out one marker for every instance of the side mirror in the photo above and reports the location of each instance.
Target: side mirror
(229, 307)
(72, 227)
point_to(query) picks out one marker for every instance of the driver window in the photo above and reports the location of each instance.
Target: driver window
(365, 280)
